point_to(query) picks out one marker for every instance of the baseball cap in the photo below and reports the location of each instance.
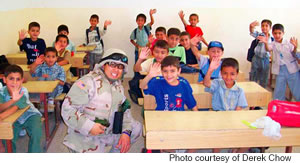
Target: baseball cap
(217, 44)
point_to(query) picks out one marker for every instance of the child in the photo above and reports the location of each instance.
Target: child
(49, 71)
(226, 94)
(215, 50)
(192, 29)
(64, 55)
(284, 63)
(160, 51)
(141, 33)
(260, 65)
(160, 34)
(171, 92)
(174, 49)
(93, 37)
(191, 51)
(33, 46)
(64, 30)
(13, 97)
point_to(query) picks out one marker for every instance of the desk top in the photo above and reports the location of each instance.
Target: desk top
(6, 128)
(85, 48)
(65, 67)
(16, 55)
(40, 86)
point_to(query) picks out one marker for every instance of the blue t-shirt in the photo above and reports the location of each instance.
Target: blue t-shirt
(33, 49)
(171, 98)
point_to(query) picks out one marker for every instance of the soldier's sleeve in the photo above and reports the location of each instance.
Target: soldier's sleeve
(73, 105)
(127, 119)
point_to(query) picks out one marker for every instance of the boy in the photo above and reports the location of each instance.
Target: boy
(64, 30)
(171, 92)
(141, 33)
(226, 95)
(160, 34)
(260, 66)
(215, 50)
(64, 55)
(33, 46)
(160, 51)
(192, 29)
(49, 71)
(94, 37)
(13, 97)
(284, 63)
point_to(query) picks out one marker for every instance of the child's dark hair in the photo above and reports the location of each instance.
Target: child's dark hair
(33, 24)
(170, 61)
(141, 16)
(184, 33)
(3, 67)
(161, 29)
(161, 44)
(13, 69)
(278, 27)
(61, 36)
(267, 21)
(94, 16)
(173, 31)
(230, 62)
(50, 49)
(62, 28)
(194, 14)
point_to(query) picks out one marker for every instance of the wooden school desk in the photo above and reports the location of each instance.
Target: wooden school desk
(17, 58)
(28, 76)
(6, 127)
(193, 77)
(211, 129)
(43, 87)
(85, 48)
(255, 95)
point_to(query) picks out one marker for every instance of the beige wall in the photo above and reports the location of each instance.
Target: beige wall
(228, 25)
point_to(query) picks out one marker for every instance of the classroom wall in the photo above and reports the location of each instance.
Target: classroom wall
(228, 25)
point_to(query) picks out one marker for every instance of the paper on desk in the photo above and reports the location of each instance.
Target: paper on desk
(271, 127)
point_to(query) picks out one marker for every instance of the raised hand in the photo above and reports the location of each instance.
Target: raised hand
(145, 52)
(262, 39)
(294, 41)
(151, 38)
(215, 63)
(152, 11)
(155, 69)
(196, 39)
(181, 14)
(107, 23)
(58, 46)
(22, 34)
(253, 24)
(16, 95)
(40, 59)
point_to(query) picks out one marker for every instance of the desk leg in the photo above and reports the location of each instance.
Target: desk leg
(43, 98)
(9, 146)
(288, 149)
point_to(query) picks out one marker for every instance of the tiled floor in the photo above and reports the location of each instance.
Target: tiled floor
(57, 147)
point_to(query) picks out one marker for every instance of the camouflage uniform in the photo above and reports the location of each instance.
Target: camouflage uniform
(92, 97)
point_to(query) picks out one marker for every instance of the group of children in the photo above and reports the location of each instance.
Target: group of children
(173, 52)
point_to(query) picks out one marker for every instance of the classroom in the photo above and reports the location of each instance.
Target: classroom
(226, 23)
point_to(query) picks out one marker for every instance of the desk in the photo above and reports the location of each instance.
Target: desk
(193, 77)
(6, 127)
(255, 95)
(43, 87)
(203, 51)
(223, 129)
(85, 48)
(17, 58)
(28, 76)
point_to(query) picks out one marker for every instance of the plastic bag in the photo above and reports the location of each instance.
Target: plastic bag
(271, 127)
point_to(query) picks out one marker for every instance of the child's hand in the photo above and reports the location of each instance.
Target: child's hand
(22, 34)
(40, 60)
(196, 39)
(152, 11)
(45, 76)
(294, 41)
(262, 39)
(145, 52)
(151, 38)
(215, 63)
(58, 46)
(97, 129)
(16, 95)
(155, 69)
(253, 24)
(181, 14)
(107, 23)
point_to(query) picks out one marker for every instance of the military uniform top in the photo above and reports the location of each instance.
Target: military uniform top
(91, 97)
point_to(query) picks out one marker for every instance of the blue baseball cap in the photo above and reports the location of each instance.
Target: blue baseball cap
(215, 44)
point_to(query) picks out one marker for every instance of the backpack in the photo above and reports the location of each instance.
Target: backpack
(99, 37)
(251, 53)
(134, 89)
(146, 30)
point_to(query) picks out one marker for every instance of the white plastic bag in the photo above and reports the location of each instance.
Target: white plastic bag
(271, 127)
